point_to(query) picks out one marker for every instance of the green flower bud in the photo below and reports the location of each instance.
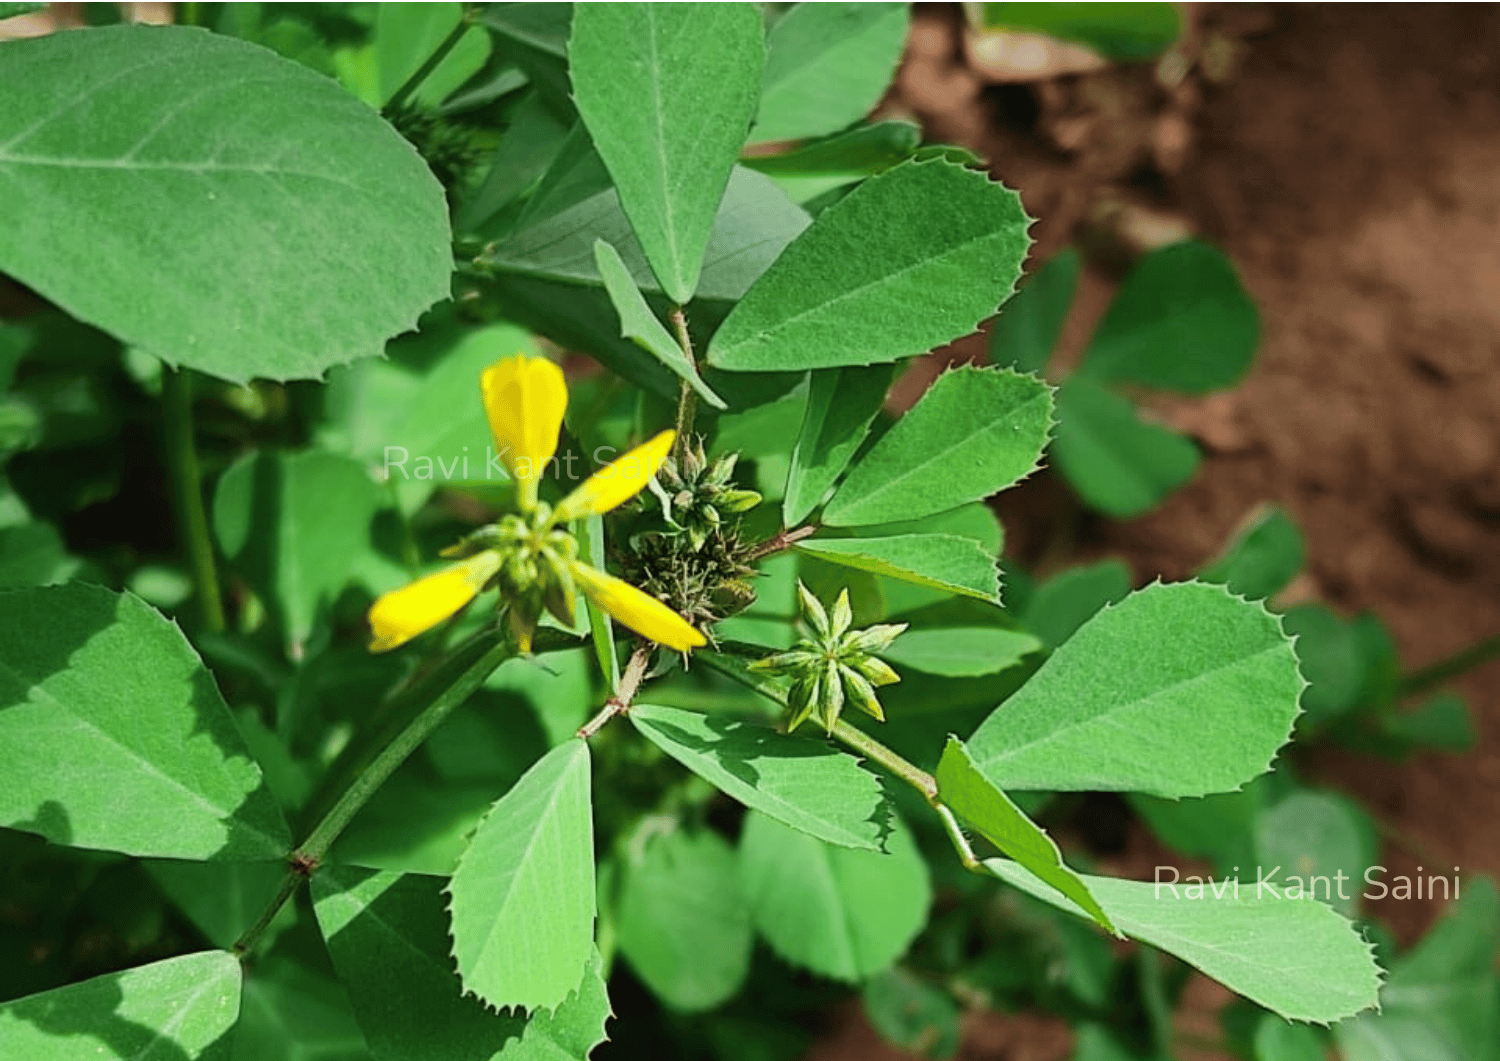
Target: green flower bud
(832, 667)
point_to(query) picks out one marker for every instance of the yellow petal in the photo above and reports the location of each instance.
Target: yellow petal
(524, 399)
(616, 483)
(641, 612)
(402, 614)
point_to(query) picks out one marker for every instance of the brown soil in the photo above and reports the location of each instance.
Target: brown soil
(1344, 157)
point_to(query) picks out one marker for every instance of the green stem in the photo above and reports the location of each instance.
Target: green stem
(956, 836)
(1445, 670)
(872, 749)
(687, 398)
(402, 94)
(454, 683)
(187, 489)
(918, 779)
(395, 753)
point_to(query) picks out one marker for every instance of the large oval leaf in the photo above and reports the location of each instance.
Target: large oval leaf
(1120, 463)
(909, 260)
(114, 736)
(681, 921)
(1181, 321)
(839, 912)
(1179, 690)
(209, 201)
(523, 894)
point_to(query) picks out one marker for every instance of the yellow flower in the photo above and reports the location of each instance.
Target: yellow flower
(641, 612)
(534, 563)
(402, 614)
(524, 401)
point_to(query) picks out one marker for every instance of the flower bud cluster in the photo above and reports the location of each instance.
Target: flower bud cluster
(834, 666)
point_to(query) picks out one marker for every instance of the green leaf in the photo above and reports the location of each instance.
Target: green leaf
(33, 554)
(1180, 322)
(1331, 658)
(530, 145)
(1266, 554)
(639, 324)
(406, 35)
(416, 420)
(181, 1009)
(941, 561)
(1443, 723)
(1172, 666)
(535, 37)
(1059, 606)
(1220, 827)
(911, 1013)
(1118, 463)
(559, 690)
(20, 7)
(290, 1013)
(961, 651)
(115, 737)
(975, 799)
(388, 938)
(1096, 1042)
(881, 275)
(841, 913)
(296, 524)
(853, 153)
(1278, 1040)
(1026, 330)
(841, 403)
(975, 432)
(303, 182)
(799, 781)
(221, 898)
(682, 923)
(523, 894)
(827, 67)
(1440, 1003)
(1321, 839)
(574, 205)
(667, 93)
(1296, 957)
(1116, 30)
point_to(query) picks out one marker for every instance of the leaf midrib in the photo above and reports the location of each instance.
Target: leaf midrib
(938, 457)
(543, 820)
(761, 337)
(792, 811)
(221, 814)
(1105, 718)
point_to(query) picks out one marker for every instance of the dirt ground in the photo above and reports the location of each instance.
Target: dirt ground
(1344, 156)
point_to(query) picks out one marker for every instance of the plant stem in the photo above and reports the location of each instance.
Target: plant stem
(956, 836)
(1445, 670)
(402, 94)
(687, 398)
(187, 489)
(455, 684)
(630, 684)
(783, 540)
(872, 749)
